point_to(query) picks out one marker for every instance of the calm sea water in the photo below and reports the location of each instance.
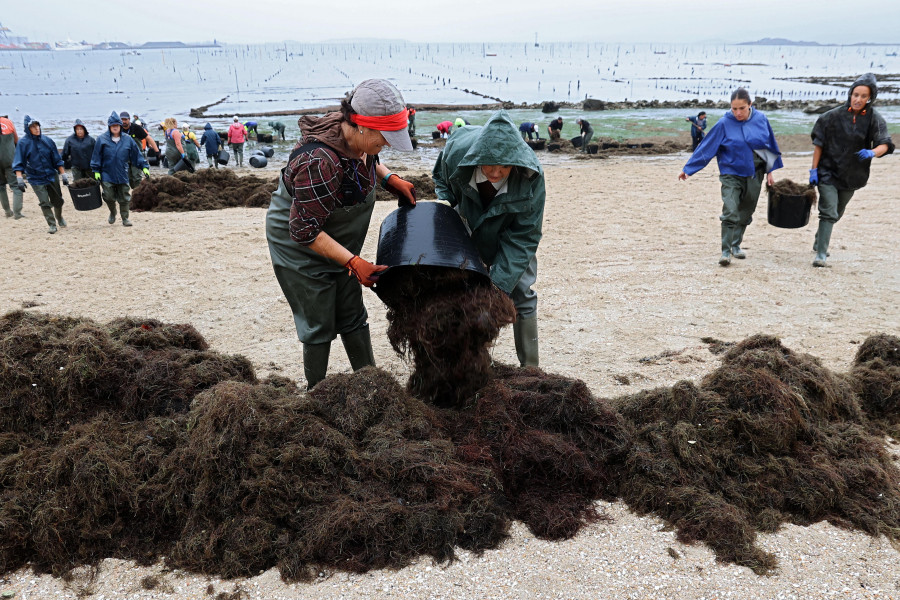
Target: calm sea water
(59, 87)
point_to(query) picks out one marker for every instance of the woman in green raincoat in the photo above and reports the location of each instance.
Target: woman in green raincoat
(495, 182)
(320, 213)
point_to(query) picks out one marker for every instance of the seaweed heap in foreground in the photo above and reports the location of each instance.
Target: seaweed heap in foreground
(207, 189)
(132, 440)
(770, 437)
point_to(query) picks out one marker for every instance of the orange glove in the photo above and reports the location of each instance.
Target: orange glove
(402, 189)
(366, 272)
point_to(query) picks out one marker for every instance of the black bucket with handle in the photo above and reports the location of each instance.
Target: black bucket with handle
(223, 157)
(86, 198)
(789, 211)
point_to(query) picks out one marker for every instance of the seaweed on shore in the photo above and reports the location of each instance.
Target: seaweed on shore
(207, 189)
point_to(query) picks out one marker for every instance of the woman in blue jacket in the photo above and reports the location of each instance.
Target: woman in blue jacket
(37, 156)
(744, 146)
(112, 154)
(211, 142)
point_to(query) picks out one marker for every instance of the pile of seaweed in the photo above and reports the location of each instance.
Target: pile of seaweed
(424, 185)
(207, 189)
(770, 437)
(787, 187)
(83, 183)
(445, 321)
(133, 440)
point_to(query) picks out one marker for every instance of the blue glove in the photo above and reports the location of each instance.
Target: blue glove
(865, 154)
(813, 177)
(20, 181)
(184, 156)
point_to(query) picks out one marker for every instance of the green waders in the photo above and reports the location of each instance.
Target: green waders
(117, 192)
(50, 199)
(832, 204)
(325, 300)
(8, 177)
(740, 195)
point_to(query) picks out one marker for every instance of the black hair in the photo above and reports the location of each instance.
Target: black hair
(346, 110)
(701, 113)
(741, 94)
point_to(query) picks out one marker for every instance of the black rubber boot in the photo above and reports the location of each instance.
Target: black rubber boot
(358, 345)
(525, 334)
(315, 362)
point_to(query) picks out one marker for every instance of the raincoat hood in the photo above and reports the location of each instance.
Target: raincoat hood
(326, 129)
(81, 123)
(498, 143)
(29, 121)
(867, 80)
(114, 119)
(207, 126)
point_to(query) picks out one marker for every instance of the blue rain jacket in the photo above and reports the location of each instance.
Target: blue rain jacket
(37, 156)
(111, 159)
(210, 140)
(735, 143)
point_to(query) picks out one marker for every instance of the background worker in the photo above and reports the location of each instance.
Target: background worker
(77, 150)
(114, 153)
(495, 182)
(9, 137)
(190, 143)
(251, 126)
(212, 143)
(554, 129)
(444, 127)
(319, 216)
(698, 126)
(236, 137)
(175, 150)
(411, 115)
(37, 156)
(845, 140)
(529, 129)
(136, 131)
(745, 148)
(587, 132)
(278, 128)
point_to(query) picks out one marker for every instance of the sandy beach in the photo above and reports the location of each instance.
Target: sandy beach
(628, 284)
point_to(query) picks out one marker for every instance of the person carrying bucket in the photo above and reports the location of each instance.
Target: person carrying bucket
(36, 155)
(587, 132)
(190, 143)
(495, 182)
(114, 153)
(845, 140)
(319, 215)
(78, 149)
(744, 146)
(9, 137)
(236, 137)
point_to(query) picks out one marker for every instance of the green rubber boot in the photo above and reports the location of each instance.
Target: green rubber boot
(525, 334)
(125, 209)
(315, 362)
(727, 232)
(112, 212)
(51, 220)
(823, 239)
(736, 242)
(57, 210)
(358, 345)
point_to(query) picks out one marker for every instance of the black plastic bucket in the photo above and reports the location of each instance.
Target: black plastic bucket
(536, 144)
(184, 165)
(430, 234)
(789, 211)
(435, 135)
(223, 157)
(88, 198)
(267, 151)
(258, 161)
(576, 141)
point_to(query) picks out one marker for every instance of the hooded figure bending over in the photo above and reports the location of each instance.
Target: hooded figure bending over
(496, 184)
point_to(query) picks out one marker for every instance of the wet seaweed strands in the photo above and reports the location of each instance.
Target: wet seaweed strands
(134, 440)
(207, 189)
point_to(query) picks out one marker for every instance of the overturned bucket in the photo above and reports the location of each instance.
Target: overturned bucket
(427, 234)
(258, 161)
(789, 211)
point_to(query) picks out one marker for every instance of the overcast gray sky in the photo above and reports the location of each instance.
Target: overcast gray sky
(251, 21)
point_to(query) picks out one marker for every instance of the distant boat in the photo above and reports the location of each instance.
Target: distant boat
(659, 52)
(70, 45)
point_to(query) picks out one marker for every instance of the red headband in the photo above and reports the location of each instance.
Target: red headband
(394, 122)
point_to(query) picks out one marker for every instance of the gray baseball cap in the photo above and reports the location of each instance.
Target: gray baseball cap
(379, 98)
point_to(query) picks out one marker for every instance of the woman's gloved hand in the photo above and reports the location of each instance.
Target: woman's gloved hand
(146, 172)
(97, 176)
(404, 191)
(20, 181)
(65, 179)
(813, 177)
(366, 272)
(865, 154)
